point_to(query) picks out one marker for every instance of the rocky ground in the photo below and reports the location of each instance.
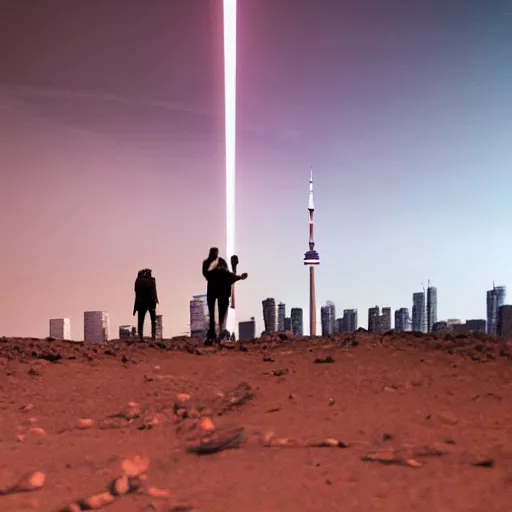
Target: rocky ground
(358, 422)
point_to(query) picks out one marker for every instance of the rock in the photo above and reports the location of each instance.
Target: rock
(84, 423)
(37, 431)
(134, 467)
(31, 482)
(98, 501)
(183, 397)
(207, 425)
(26, 408)
(447, 418)
(324, 360)
(154, 492)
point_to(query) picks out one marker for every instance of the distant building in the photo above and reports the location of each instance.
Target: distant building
(297, 318)
(505, 322)
(418, 312)
(60, 328)
(374, 319)
(402, 320)
(281, 313)
(199, 317)
(125, 332)
(459, 328)
(349, 323)
(247, 330)
(385, 320)
(339, 325)
(287, 324)
(159, 328)
(476, 325)
(441, 326)
(269, 315)
(453, 321)
(96, 326)
(328, 318)
(495, 299)
(431, 307)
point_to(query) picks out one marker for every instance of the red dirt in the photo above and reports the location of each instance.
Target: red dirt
(386, 392)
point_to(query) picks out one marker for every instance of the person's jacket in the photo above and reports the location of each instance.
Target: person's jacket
(145, 293)
(220, 282)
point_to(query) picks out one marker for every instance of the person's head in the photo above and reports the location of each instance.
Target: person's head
(148, 272)
(222, 265)
(214, 252)
(140, 274)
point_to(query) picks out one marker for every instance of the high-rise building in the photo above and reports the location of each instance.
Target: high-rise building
(349, 320)
(125, 332)
(431, 307)
(505, 321)
(159, 328)
(495, 299)
(297, 321)
(269, 315)
(402, 320)
(373, 319)
(418, 312)
(328, 318)
(339, 325)
(96, 326)
(199, 317)
(287, 324)
(385, 320)
(476, 325)
(311, 259)
(281, 313)
(60, 328)
(247, 330)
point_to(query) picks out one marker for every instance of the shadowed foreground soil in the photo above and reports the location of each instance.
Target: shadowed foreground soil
(447, 405)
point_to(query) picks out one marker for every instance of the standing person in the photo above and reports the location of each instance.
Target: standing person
(146, 299)
(220, 281)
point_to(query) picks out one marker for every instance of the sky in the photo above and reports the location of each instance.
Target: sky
(112, 154)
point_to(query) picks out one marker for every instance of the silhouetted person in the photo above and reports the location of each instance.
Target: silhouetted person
(146, 300)
(220, 280)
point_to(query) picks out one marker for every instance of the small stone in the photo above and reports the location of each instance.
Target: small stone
(135, 466)
(447, 418)
(332, 401)
(84, 423)
(99, 501)
(37, 431)
(154, 492)
(183, 397)
(207, 425)
(27, 408)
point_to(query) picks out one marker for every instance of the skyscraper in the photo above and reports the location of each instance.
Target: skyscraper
(311, 259)
(495, 299)
(349, 320)
(431, 307)
(281, 313)
(287, 324)
(269, 315)
(247, 330)
(60, 328)
(505, 321)
(418, 311)
(328, 318)
(373, 319)
(297, 321)
(402, 320)
(385, 320)
(199, 317)
(96, 326)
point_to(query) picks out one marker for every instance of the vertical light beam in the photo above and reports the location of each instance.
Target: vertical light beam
(230, 127)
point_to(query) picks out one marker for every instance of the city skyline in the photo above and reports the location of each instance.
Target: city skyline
(115, 159)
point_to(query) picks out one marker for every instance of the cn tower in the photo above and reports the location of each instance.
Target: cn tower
(311, 259)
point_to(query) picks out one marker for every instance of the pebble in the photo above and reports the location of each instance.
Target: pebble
(84, 423)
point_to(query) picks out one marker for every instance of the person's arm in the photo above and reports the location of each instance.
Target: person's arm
(154, 291)
(206, 264)
(235, 277)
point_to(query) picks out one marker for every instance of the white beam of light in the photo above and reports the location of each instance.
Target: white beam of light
(230, 124)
